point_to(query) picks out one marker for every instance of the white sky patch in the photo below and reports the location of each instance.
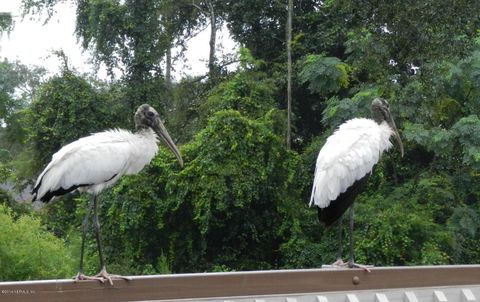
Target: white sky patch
(392, 62)
(197, 53)
(385, 29)
(32, 43)
(413, 69)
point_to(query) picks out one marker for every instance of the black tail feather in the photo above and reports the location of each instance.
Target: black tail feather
(58, 192)
(337, 207)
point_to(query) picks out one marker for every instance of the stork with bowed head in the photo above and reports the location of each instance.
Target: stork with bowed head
(344, 164)
(96, 162)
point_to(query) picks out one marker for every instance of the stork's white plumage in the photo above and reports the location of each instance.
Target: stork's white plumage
(344, 163)
(347, 156)
(96, 162)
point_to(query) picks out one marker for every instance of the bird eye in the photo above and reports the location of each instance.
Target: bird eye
(150, 114)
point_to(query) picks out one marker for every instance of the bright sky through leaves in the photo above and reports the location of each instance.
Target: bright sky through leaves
(32, 43)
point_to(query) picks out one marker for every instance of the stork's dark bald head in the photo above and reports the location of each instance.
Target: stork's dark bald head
(146, 116)
(381, 113)
(380, 110)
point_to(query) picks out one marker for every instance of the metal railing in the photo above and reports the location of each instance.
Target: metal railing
(382, 284)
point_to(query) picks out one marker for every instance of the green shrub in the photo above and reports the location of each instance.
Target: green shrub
(29, 252)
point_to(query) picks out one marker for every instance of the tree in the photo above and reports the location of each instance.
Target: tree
(397, 35)
(211, 10)
(289, 71)
(133, 36)
(18, 84)
(66, 108)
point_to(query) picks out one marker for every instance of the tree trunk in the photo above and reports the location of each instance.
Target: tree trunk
(168, 67)
(213, 38)
(289, 72)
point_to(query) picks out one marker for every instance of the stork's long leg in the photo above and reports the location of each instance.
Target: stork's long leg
(84, 232)
(339, 262)
(351, 258)
(80, 275)
(96, 223)
(103, 275)
(340, 238)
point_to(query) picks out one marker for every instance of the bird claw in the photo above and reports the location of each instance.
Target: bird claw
(82, 277)
(103, 276)
(339, 263)
(350, 264)
(366, 268)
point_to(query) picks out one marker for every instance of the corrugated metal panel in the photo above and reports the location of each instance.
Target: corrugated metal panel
(442, 294)
(467, 295)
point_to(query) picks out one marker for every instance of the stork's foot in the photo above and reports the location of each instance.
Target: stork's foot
(366, 268)
(104, 276)
(350, 264)
(81, 276)
(337, 264)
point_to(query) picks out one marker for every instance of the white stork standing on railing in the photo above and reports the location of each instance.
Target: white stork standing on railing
(96, 162)
(344, 164)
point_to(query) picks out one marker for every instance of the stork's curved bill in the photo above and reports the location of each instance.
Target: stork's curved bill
(162, 132)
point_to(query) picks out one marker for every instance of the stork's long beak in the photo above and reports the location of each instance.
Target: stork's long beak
(162, 132)
(392, 125)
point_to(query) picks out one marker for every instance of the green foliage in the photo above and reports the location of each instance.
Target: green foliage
(461, 139)
(259, 25)
(135, 36)
(18, 83)
(467, 129)
(404, 227)
(383, 31)
(6, 172)
(249, 92)
(29, 252)
(325, 74)
(338, 111)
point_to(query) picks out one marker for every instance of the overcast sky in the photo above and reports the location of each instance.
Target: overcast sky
(32, 43)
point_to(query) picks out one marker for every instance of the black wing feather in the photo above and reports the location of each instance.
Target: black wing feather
(327, 216)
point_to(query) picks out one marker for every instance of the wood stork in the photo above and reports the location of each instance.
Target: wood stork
(96, 162)
(344, 164)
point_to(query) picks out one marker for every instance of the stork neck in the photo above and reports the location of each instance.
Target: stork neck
(146, 132)
(141, 128)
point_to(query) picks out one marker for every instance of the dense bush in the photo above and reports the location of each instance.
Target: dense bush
(29, 252)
